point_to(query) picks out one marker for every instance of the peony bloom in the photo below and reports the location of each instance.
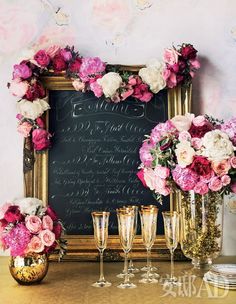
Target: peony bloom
(201, 188)
(170, 56)
(42, 58)
(29, 205)
(35, 245)
(66, 54)
(185, 178)
(170, 78)
(41, 139)
(91, 66)
(217, 146)
(184, 153)
(182, 122)
(4, 208)
(225, 179)
(188, 52)
(35, 91)
(47, 222)
(110, 83)
(162, 172)
(215, 184)
(24, 128)
(47, 237)
(74, 66)
(221, 168)
(96, 89)
(152, 76)
(18, 88)
(32, 110)
(58, 63)
(33, 223)
(145, 153)
(162, 130)
(184, 135)
(201, 166)
(200, 121)
(155, 183)
(21, 71)
(141, 92)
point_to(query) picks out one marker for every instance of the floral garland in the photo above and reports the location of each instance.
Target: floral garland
(92, 74)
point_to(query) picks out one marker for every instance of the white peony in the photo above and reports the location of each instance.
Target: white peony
(217, 146)
(183, 122)
(152, 76)
(184, 153)
(29, 205)
(32, 109)
(110, 83)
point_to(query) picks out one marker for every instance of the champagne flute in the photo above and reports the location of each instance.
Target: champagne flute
(100, 225)
(126, 225)
(171, 227)
(148, 218)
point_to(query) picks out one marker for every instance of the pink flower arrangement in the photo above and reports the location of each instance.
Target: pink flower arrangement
(92, 74)
(26, 226)
(190, 154)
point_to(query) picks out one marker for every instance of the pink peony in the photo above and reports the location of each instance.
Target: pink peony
(24, 128)
(170, 56)
(201, 188)
(145, 154)
(59, 63)
(96, 88)
(142, 92)
(13, 214)
(185, 178)
(162, 130)
(18, 88)
(215, 184)
(233, 162)
(35, 245)
(78, 85)
(42, 58)
(33, 223)
(225, 180)
(47, 237)
(53, 50)
(35, 91)
(140, 175)
(47, 222)
(199, 121)
(162, 172)
(4, 208)
(221, 168)
(91, 66)
(17, 239)
(41, 139)
(74, 66)
(66, 54)
(21, 71)
(51, 213)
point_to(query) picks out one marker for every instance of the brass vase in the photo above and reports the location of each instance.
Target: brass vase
(201, 222)
(29, 269)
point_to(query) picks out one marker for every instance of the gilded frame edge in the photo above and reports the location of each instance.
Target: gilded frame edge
(82, 247)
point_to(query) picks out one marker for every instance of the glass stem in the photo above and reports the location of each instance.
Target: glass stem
(130, 260)
(171, 264)
(126, 269)
(101, 267)
(148, 262)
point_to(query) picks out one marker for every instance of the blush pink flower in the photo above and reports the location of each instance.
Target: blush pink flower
(184, 136)
(24, 128)
(96, 88)
(78, 85)
(199, 121)
(229, 127)
(47, 222)
(162, 172)
(162, 130)
(233, 162)
(145, 154)
(215, 184)
(170, 56)
(170, 78)
(18, 88)
(21, 71)
(155, 183)
(196, 143)
(47, 237)
(33, 223)
(225, 179)
(221, 168)
(35, 245)
(195, 64)
(201, 188)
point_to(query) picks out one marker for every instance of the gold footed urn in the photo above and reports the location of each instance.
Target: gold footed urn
(29, 269)
(201, 227)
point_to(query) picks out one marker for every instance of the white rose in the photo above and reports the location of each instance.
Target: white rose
(32, 109)
(184, 153)
(217, 145)
(29, 205)
(182, 122)
(110, 83)
(152, 76)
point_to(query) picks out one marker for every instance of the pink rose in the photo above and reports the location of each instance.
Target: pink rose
(21, 71)
(57, 230)
(33, 223)
(58, 63)
(53, 50)
(184, 136)
(18, 88)
(162, 172)
(145, 153)
(170, 78)
(74, 66)
(140, 175)
(225, 180)
(51, 213)
(24, 128)
(196, 143)
(233, 161)
(221, 168)
(35, 91)
(199, 121)
(47, 237)
(155, 183)
(47, 222)
(182, 122)
(78, 85)
(66, 54)
(40, 122)
(170, 56)
(96, 88)
(233, 187)
(201, 188)
(215, 184)
(41, 139)
(42, 58)
(142, 93)
(35, 245)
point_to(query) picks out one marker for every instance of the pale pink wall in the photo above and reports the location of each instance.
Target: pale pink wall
(119, 31)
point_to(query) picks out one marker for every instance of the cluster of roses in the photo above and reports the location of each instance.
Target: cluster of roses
(89, 73)
(181, 65)
(190, 153)
(28, 227)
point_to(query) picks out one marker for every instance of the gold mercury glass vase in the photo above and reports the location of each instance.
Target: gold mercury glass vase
(29, 269)
(201, 227)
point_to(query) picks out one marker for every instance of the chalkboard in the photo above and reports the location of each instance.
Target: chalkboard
(95, 155)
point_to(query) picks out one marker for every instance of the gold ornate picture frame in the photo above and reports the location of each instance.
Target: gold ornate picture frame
(82, 247)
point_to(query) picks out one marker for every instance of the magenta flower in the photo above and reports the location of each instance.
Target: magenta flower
(42, 58)
(91, 66)
(185, 178)
(21, 71)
